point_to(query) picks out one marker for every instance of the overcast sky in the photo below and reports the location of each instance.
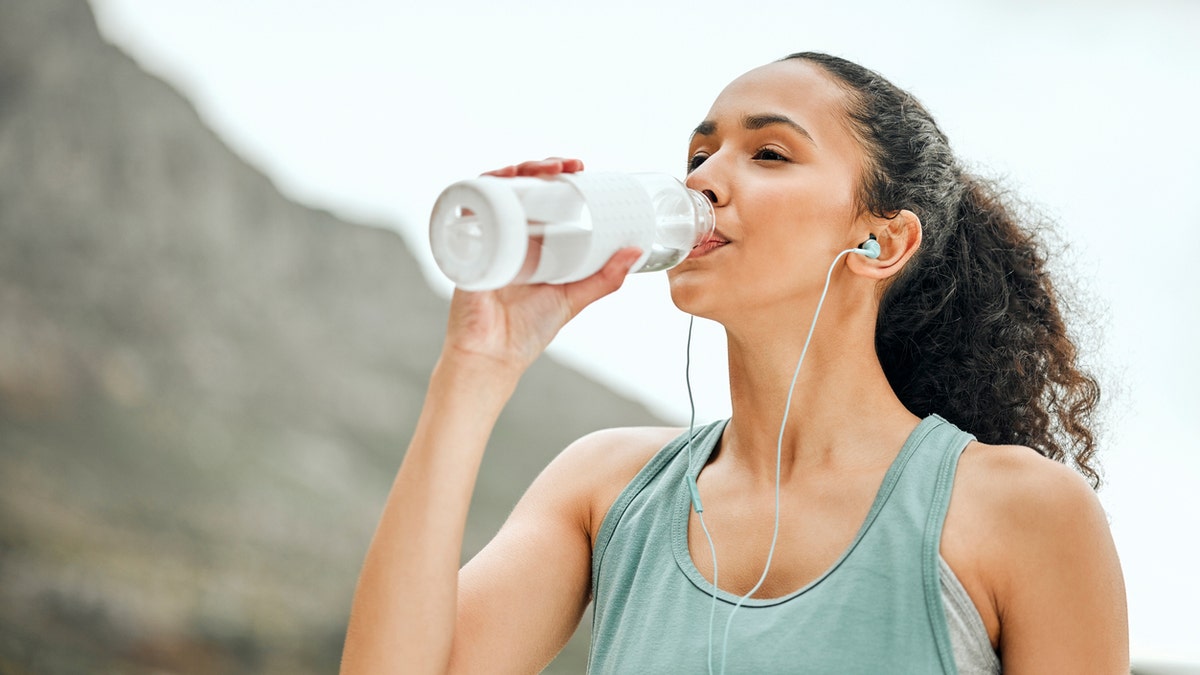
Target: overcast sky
(369, 108)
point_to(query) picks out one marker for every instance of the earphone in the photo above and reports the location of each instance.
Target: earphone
(869, 249)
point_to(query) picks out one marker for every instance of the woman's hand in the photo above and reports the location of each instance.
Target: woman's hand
(512, 326)
(551, 166)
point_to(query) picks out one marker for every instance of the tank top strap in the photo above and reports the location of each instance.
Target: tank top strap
(924, 487)
(672, 459)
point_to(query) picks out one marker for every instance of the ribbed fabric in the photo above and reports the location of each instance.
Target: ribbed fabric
(877, 609)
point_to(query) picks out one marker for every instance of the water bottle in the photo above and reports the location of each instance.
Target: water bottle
(490, 232)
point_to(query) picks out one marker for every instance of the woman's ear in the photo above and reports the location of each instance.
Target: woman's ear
(898, 237)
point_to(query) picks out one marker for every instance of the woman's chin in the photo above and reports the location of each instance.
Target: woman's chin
(689, 294)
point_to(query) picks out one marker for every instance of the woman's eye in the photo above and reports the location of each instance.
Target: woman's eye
(695, 162)
(769, 155)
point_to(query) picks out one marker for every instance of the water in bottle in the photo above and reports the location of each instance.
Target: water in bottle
(490, 232)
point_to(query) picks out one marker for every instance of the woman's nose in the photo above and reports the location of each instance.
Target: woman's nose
(703, 181)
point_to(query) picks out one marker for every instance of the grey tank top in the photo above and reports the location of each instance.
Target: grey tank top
(888, 604)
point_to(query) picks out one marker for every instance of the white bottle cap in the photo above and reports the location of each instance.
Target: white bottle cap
(486, 249)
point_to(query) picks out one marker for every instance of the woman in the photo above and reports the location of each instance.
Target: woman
(903, 545)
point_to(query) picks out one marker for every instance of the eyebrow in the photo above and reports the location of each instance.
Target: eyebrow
(755, 122)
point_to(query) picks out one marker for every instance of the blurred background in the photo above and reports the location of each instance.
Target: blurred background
(217, 309)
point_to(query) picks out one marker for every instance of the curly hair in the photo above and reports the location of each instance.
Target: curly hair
(972, 328)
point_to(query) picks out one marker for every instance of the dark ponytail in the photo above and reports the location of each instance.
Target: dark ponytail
(972, 329)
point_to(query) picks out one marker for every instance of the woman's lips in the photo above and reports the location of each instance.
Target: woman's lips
(712, 243)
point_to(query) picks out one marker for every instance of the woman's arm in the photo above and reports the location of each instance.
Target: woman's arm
(521, 597)
(1062, 599)
(405, 616)
(1032, 538)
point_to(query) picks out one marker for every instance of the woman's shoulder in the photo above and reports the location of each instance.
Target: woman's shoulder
(1012, 502)
(1019, 523)
(619, 445)
(605, 461)
(1012, 484)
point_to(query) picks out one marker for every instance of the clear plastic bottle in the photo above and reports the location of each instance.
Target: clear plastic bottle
(490, 232)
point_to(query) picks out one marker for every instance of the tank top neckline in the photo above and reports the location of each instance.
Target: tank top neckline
(709, 438)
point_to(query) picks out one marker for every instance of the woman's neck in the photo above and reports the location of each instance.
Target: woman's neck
(842, 405)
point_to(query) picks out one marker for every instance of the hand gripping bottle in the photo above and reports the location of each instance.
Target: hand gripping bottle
(490, 232)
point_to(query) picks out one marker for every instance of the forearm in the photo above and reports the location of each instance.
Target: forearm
(405, 607)
(403, 616)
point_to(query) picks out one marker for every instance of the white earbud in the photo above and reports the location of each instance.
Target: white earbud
(869, 248)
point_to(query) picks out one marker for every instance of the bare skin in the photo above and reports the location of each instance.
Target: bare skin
(1025, 535)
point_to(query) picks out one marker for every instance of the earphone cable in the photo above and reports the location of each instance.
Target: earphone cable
(695, 491)
(778, 460)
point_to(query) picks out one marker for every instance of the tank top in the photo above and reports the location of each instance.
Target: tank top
(878, 608)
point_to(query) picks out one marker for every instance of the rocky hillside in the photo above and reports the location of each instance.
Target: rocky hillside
(205, 389)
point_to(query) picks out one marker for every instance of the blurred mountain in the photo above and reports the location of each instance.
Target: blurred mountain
(205, 388)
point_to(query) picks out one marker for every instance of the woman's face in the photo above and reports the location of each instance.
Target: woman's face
(776, 155)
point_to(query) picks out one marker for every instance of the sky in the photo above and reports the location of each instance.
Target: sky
(369, 108)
